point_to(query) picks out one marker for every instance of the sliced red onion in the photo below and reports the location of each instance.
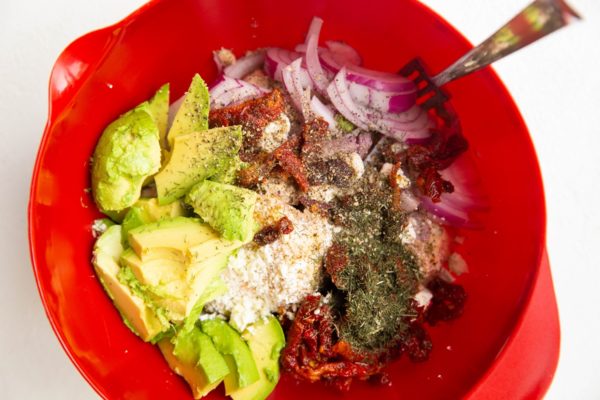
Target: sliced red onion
(245, 65)
(276, 56)
(444, 213)
(329, 62)
(300, 48)
(378, 80)
(345, 144)
(315, 28)
(408, 201)
(394, 102)
(318, 76)
(292, 79)
(468, 193)
(340, 97)
(229, 91)
(365, 142)
(218, 63)
(391, 126)
(414, 123)
(321, 110)
(343, 53)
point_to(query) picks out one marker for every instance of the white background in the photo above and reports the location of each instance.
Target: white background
(556, 84)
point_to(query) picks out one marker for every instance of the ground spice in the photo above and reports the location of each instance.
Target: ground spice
(380, 275)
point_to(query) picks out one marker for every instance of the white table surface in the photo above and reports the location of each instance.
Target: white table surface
(547, 81)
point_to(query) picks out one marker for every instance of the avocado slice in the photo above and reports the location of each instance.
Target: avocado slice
(215, 289)
(235, 351)
(169, 238)
(228, 209)
(178, 288)
(195, 157)
(145, 211)
(192, 116)
(159, 108)
(194, 357)
(265, 339)
(127, 153)
(136, 314)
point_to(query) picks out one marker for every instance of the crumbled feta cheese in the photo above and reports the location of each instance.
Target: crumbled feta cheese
(457, 264)
(401, 180)
(356, 163)
(275, 133)
(224, 56)
(423, 297)
(324, 193)
(99, 227)
(430, 245)
(265, 279)
(386, 170)
(283, 189)
(409, 234)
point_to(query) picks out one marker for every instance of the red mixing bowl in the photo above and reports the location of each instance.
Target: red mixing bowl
(506, 343)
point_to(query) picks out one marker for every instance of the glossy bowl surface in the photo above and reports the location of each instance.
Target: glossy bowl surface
(106, 72)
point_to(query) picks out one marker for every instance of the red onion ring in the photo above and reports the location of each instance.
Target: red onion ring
(318, 76)
(292, 79)
(321, 110)
(343, 53)
(245, 65)
(228, 91)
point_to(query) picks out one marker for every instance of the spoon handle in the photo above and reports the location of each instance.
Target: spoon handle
(535, 21)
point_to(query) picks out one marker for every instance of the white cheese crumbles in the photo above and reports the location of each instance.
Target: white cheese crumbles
(269, 278)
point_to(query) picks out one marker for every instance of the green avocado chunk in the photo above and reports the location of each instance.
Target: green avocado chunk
(145, 211)
(176, 264)
(127, 153)
(136, 314)
(192, 116)
(235, 351)
(195, 157)
(228, 209)
(194, 357)
(159, 108)
(195, 347)
(265, 339)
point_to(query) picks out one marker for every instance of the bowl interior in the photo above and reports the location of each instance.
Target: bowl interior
(109, 71)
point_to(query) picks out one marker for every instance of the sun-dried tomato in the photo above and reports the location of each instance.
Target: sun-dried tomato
(336, 260)
(424, 161)
(292, 164)
(253, 115)
(256, 171)
(271, 233)
(447, 302)
(315, 206)
(416, 343)
(314, 132)
(310, 353)
(432, 185)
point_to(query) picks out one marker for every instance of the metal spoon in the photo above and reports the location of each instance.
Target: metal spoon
(537, 20)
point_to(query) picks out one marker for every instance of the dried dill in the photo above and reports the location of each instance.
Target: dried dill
(380, 275)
